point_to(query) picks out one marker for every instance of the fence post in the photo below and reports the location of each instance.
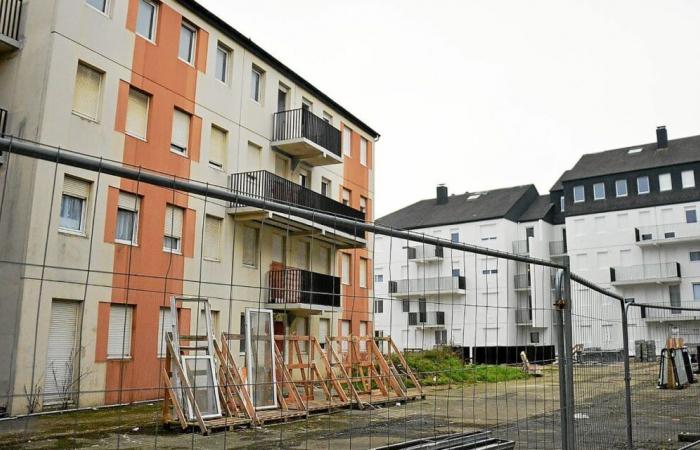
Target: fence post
(563, 423)
(568, 353)
(628, 377)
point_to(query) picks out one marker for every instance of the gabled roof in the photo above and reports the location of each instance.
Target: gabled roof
(261, 53)
(679, 151)
(507, 203)
(539, 209)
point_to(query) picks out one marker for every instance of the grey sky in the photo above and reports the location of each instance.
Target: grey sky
(486, 94)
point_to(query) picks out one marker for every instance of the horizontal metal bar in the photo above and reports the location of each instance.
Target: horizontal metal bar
(671, 308)
(75, 159)
(596, 288)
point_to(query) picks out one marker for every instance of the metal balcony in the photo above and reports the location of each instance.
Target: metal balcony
(265, 185)
(10, 16)
(444, 286)
(427, 319)
(663, 273)
(674, 233)
(557, 248)
(521, 281)
(521, 247)
(425, 253)
(303, 135)
(666, 315)
(299, 289)
(523, 316)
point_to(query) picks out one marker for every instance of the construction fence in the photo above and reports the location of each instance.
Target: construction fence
(141, 309)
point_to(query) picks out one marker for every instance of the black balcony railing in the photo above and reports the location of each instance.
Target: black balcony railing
(289, 285)
(10, 14)
(268, 186)
(302, 123)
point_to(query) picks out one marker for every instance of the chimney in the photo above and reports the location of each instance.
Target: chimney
(661, 138)
(441, 194)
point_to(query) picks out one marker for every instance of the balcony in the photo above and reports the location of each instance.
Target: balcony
(305, 136)
(265, 185)
(664, 273)
(675, 233)
(666, 315)
(425, 253)
(10, 15)
(557, 249)
(521, 247)
(444, 286)
(427, 319)
(302, 290)
(523, 316)
(521, 281)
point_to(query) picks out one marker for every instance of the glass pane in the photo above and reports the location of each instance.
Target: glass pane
(221, 57)
(144, 21)
(261, 367)
(199, 375)
(125, 225)
(71, 213)
(100, 5)
(186, 40)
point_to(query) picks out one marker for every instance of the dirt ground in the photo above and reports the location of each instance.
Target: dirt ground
(525, 411)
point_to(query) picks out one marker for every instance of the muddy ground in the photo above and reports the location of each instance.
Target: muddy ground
(525, 411)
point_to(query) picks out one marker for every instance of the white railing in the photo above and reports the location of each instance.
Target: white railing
(668, 232)
(645, 272)
(427, 285)
(423, 252)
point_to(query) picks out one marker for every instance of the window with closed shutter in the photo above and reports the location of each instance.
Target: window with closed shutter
(363, 333)
(61, 353)
(119, 334)
(127, 218)
(165, 325)
(363, 272)
(181, 132)
(345, 269)
(86, 98)
(363, 151)
(347, 141)
(217, 147)
(173, 228)
(346, 197)
(137, 113)
(278, 248)
(212, 237)
(324, 327)
(250, 246)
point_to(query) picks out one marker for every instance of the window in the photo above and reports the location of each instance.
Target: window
(137, 113)
(181, 132)
(278, 248)
(324, 328)
(223, 55)
(241, 348)
(535, 337)
(665, 182)
(688, 179)
(621, 188)
(256, 84)
(379, 278)
(217, 147)
(327, 117)
(561, 203)
(579, 194)
(599, 191)
(405, 306)
(188, 35)
(454, 236)
(363, 151)
(119, 332)
(347, 141)
(73, 205)
(250, 246)
(363, 272)
(100, 5)
(696, 291)
(165, 325)
(302, 330)
(363, 204)
(455, 272)
(695, 256)
(346, 197)
(345, 268)
(691, 216)
(212, 237)
(363, 333)
(146, 19)
(378, 306)
(304, 178)
(172, 233)
(643, 185)
(127, 218)
(86, 98)
(326, 187)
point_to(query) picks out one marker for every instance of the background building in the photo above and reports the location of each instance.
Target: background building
(167, 86)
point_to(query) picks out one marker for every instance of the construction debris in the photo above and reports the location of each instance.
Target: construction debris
(530, 368)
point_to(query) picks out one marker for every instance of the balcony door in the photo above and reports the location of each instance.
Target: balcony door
(281, 119)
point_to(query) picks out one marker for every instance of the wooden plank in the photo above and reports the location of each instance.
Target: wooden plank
(329, 372)
(385, 369)
(239, 386)
(403, 362)
(176, 402)
(166, 394)
(288, 380)
(344, 373)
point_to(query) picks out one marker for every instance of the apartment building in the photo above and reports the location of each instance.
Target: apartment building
(627, 218)
(428, 296)
(167, 86)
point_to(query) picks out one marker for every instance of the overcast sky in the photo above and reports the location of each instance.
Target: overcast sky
(486, 94)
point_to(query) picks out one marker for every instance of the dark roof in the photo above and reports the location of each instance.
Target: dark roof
(679, 151)
(539, 209)
(258, 51)
(558, 186)
(507, 203)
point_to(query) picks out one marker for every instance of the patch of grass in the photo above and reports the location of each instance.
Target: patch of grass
(442, 366)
